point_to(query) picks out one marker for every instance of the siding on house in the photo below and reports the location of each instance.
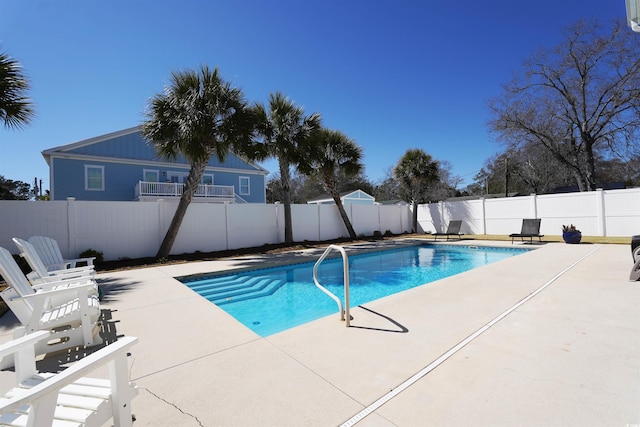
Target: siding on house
(123, 157)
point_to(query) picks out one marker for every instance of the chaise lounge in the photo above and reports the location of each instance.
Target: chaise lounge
(452, 230)
(530, 229)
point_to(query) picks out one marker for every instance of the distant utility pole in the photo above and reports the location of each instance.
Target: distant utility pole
(37, 189)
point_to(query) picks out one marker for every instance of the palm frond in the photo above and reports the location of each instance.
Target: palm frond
(198, 115)
(16, 109)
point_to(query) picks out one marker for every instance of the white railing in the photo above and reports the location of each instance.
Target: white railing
(174, 189)
(344, 312)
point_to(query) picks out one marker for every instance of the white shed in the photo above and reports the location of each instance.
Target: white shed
(355, 197)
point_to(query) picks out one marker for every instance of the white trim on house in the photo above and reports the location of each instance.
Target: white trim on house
(64, 151)
(349, 197)
(151, 171)
(88, 178)
(157, 164)
(244, 185)
(90, 141)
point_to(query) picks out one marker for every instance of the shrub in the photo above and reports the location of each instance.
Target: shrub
(377, 234)
(388, 233)
(93, 253)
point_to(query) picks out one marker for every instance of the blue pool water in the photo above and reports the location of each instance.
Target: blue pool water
(271, 300)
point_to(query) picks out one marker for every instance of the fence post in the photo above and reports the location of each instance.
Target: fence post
(276, 204)
(319, 226)
(351, 218)
(160, 223)
(600, 212)
(71, 228)
(534, 205)
(484, 215)
(226, 224)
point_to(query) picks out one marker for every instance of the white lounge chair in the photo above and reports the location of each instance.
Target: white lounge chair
(69, 397)
(49, 252)
(40, 273)
(69, 309)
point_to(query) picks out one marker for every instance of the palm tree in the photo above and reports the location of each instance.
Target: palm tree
(16, 109)
(332, 154)
(197, 116)
(284, 129)
(416, 171)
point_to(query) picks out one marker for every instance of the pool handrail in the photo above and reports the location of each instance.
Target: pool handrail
(344, 312)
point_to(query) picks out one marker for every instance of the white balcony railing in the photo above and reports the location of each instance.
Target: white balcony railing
(146, 189)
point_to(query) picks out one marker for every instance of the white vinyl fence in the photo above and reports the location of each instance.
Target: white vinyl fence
(136, 229)
(595, 213)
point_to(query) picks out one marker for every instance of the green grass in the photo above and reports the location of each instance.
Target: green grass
(585, 239)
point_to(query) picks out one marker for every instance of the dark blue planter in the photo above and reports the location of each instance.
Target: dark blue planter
(572, 237)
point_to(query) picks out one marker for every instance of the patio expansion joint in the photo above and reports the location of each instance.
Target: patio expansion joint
(433, 365)
(159, 303)
(186, 362)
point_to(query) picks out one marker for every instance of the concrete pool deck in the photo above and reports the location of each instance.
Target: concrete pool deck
(568, 354)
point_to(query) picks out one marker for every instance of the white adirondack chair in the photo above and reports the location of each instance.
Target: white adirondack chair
(39, 271)
(40, 275)
(69, 309)
(49, 252)
(69, 397)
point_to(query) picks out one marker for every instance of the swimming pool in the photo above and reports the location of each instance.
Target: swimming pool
(271, 300)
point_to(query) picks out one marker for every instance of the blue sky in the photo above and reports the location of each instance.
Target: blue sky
(391, 75)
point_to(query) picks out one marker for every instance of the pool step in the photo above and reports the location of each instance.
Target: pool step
(220, 291)
(220, 286)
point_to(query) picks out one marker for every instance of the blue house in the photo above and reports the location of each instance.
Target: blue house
(122, 166)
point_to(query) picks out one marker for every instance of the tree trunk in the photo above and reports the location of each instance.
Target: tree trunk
(190, 187)
(343, 214)
(581, 181)
(285, 178)
(591, 167)
(414, 214)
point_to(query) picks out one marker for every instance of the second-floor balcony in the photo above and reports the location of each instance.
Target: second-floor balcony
(150, 191)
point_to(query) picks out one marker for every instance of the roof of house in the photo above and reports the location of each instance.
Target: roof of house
(129, 144)
(343, 195)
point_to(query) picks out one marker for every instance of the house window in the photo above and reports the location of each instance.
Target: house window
(207, 179)
(244, 186)
(177, 177)
(93, 178)
(150, 175)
